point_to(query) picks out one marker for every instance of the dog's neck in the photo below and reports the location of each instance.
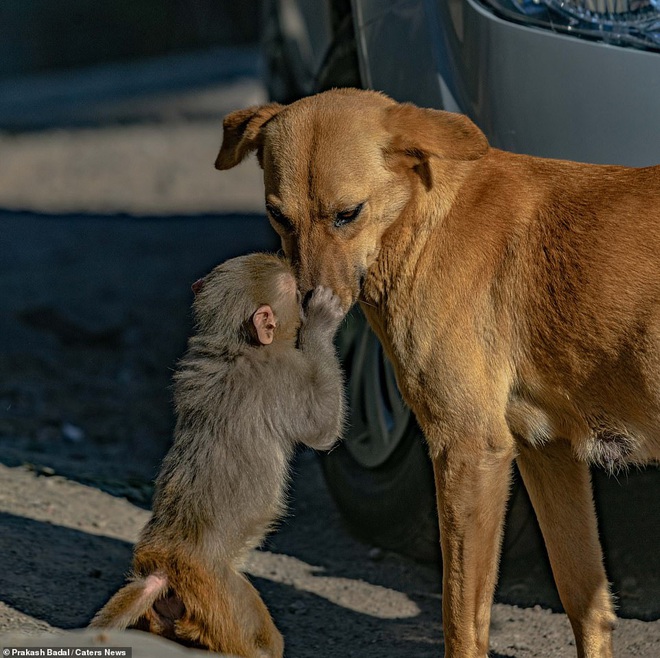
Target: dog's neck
(391, 275)
(391, 279)
(403, 241)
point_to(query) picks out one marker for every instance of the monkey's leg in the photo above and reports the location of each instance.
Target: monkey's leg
(560, 490)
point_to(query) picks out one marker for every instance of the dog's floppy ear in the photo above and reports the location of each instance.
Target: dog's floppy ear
(241, 133)
(420, 133)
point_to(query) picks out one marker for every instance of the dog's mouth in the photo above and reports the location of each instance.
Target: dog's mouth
(362, 299)
(355, 293)
(349, 291)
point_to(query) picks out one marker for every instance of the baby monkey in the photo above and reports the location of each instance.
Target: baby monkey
(260, 375)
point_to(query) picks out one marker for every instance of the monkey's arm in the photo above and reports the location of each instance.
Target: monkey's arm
(319, 400)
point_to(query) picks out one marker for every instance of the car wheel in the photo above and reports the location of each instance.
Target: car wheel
(340, 67)
(287, 75)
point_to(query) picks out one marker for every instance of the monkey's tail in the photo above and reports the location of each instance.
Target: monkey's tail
(131, 602)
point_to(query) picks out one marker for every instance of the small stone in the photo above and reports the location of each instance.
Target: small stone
(298, 608)
(72, 433)
(520, 646)
(376, 554)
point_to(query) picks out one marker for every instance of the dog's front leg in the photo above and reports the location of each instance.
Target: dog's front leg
(560, 490)
(472, 482)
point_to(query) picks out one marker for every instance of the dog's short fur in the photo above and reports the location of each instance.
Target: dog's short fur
(519, 299)
(254, 382)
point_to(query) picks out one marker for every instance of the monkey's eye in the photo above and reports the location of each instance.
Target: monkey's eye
(279, 217)
(347, 216)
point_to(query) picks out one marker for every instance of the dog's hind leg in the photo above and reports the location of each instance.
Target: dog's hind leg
(559, 487)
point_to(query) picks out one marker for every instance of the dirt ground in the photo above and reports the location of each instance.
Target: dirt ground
(102, 232)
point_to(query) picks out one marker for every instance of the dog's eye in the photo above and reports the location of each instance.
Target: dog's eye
(279, 217)
(347, 216)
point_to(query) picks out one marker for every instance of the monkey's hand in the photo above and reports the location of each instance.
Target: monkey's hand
(323, 312)
(320, 400)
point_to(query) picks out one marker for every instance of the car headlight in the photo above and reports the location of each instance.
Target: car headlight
(621, 22)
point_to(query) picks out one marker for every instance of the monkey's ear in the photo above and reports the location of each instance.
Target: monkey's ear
(242, 133)
(198, 285)
(264, 323)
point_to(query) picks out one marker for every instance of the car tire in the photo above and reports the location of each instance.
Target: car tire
(340, 66)
(286, 74)
(391, 506)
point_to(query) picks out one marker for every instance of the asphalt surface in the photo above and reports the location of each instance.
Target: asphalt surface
(104, 227)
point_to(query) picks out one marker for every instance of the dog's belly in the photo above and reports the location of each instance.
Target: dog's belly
(596, 437)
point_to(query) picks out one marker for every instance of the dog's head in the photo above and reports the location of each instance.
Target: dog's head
(339, 169)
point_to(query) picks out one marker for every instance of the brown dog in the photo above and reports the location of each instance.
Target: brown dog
(519, 299)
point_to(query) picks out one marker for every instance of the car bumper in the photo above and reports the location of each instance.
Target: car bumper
(530, 90)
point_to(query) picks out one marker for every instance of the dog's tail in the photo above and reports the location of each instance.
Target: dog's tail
(131, 602)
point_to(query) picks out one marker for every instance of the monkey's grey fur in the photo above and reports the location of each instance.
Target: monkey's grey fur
(242, 404)
(242, 407)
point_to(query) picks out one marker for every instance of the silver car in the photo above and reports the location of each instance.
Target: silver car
(575, 79)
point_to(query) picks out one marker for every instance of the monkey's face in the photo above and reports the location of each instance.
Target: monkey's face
(253, 298)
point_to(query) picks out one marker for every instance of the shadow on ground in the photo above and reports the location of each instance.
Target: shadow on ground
(55, 573)
(94, 312)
